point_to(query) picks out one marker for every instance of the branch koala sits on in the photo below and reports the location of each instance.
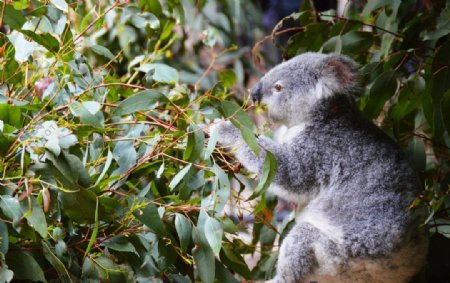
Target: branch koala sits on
(353, 181)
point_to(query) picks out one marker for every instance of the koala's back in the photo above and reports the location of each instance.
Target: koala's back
(363, 185)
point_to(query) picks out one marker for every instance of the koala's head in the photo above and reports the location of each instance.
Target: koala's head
(292, 88)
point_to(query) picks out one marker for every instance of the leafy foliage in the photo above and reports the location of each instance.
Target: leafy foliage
(108, 170)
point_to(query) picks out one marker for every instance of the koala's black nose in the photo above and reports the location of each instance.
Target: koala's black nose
(256, 93)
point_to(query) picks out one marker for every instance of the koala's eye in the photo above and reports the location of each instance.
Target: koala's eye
(277, 87)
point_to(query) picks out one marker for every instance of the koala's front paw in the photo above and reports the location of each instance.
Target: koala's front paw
(227, 133)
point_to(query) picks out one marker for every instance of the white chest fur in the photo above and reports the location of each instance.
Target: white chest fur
(285, 135)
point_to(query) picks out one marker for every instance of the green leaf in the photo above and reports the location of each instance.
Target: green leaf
(237, 116)
(203, 256)
(150, 217)
(141, 101)
(152, 6)
(195, 143)
(86, 116)
(333, 45)
(35, 216)
(21, 4)
(234, 261)
(307, 13)
(94, 231)
(61, 5)
(445, 109)
(101, 50)
(69, 170)
(143, 20)
(179, 176)
(152, 20)
(356, 41)
(241, 121)
(79, 206)
(268, 172)
(11, 207)
(353, 42)
(228, 78)
(11, 115)
(56, 263)
(125, 154)
(373, 5)
(213, 234)
(250, 140)
(4, 241)
(108, 162)
(44, 39)
(416, 150)
(120, 243)
(213, 138)
(223, 274)
(184, 229)
(24, 266)
(440, 85)
(310, 39)
(103, 269)
(161, 72)
(210, 36)
(12, 17)
(382, 89)
(6, 275)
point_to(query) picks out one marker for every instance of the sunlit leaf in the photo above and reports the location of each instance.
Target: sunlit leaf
(44, 39)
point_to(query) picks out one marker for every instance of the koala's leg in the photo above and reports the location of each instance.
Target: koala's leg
(304, 251)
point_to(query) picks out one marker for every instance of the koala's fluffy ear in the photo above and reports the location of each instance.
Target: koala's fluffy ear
(343, 69)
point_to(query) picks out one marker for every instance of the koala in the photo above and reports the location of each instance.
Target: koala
(351, 180)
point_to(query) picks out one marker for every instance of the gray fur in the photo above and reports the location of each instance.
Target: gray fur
(354, 182)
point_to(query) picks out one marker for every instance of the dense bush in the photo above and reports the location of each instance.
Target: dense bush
(108, 170)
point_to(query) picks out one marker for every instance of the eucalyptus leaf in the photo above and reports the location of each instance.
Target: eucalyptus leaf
(45, 39)
(203, 256)
(269, 171)
(161, 72)
(4, 241)
(101, 50)
(35, 216)
(6, 275)
(60, 4)
(120, 243)
(141, 101)
(24, 266)
(184, 230)
(179, 176)
(150, 217)
(64, 275)
(195, 143)
(213, 234)
(382, 89)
